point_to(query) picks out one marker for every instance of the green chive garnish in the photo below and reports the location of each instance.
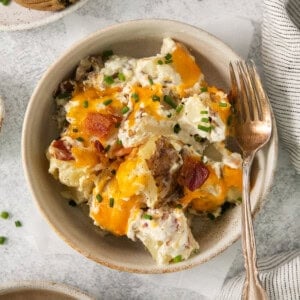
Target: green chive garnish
(179, 108)
(135, 96)
(239, 199)
(107, 102)
(222, 104)
(18, 223)
(170, 101)
(179, 206)
(106, 54)
(109, 79)
(150, 80)
(4, 215)
(118, 125)
(121, 76)
(155, 98)
(111, 202)
(211, 216)
(65, 95)
(85, 104)
(207, 129)
(106, 149)
(125, 110)
(203, 112)
(5, 2)
(229, 120)
(177, 259)
(99, 198)
(75, 130)
(147, 217)
(168, 56)
(176, 128)
(119, 142)
(203, 89)
(205, 120)
(80, 139)
(168, 61)
(2, 240)
(160, 62)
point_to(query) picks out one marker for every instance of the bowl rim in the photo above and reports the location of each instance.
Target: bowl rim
(35, 197)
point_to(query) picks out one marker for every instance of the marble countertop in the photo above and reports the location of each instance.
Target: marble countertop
(25, 55)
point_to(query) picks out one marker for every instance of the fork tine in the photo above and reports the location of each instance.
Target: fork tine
(244, 97)
(261, 96)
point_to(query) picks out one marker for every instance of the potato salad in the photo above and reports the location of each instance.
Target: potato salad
(142, 143)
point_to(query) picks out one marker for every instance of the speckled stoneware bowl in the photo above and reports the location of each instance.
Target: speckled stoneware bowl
(136, 38)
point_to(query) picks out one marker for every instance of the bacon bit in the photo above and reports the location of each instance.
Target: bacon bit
(100, 124)
(193, 173)
(62, 151)
(123, 151)
(99, 147)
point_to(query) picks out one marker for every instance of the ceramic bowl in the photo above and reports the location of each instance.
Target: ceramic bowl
(136, 38)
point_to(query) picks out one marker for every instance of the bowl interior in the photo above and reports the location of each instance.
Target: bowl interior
(137, 39)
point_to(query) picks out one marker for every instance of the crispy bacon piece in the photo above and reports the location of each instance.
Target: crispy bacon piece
(193, 173)
(99, 147)
(62, 150)
(100, 124)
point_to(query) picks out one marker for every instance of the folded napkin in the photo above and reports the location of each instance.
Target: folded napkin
(281, 60)
(279, 274)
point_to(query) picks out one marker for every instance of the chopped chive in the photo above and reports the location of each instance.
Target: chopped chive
(176, 128)
(179, 206)
(108, 79)
(179, 108)
(160, 62)
(107, 102)
(170, 101)
(72, 203)
(150, 80)
(222, 104)
(168, 61)
(147, 217)
(5, 2)
(203, 89)
(86, 104)
(211, 216)
(106, 149)
(4, 215)
(125, 110)
(18, 223)
(80, 139)
(203, 128)
(99, 198)
(2, 240)
(229, 120)
(177, 259)
(135, 96)
(121, 76)
(155, 98)
(111, 202)
(199, 139)
(65, 95)
(205, 120)
(168, 56)
(203, 112)
(119, 142)
(239, 199)
(75, 130)
(106, 54)
(117, 125)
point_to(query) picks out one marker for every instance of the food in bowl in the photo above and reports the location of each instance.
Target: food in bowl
(143, 144)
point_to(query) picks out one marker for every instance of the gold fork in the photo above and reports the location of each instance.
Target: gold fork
(253, 131)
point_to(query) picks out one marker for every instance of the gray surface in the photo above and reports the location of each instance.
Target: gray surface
(24, 57)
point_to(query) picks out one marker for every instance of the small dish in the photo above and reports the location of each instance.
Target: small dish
(15, 17)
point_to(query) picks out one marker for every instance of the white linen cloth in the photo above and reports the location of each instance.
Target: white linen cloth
(281, 60)
(279, 274)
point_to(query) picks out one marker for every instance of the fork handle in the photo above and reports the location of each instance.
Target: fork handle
(252, 289)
